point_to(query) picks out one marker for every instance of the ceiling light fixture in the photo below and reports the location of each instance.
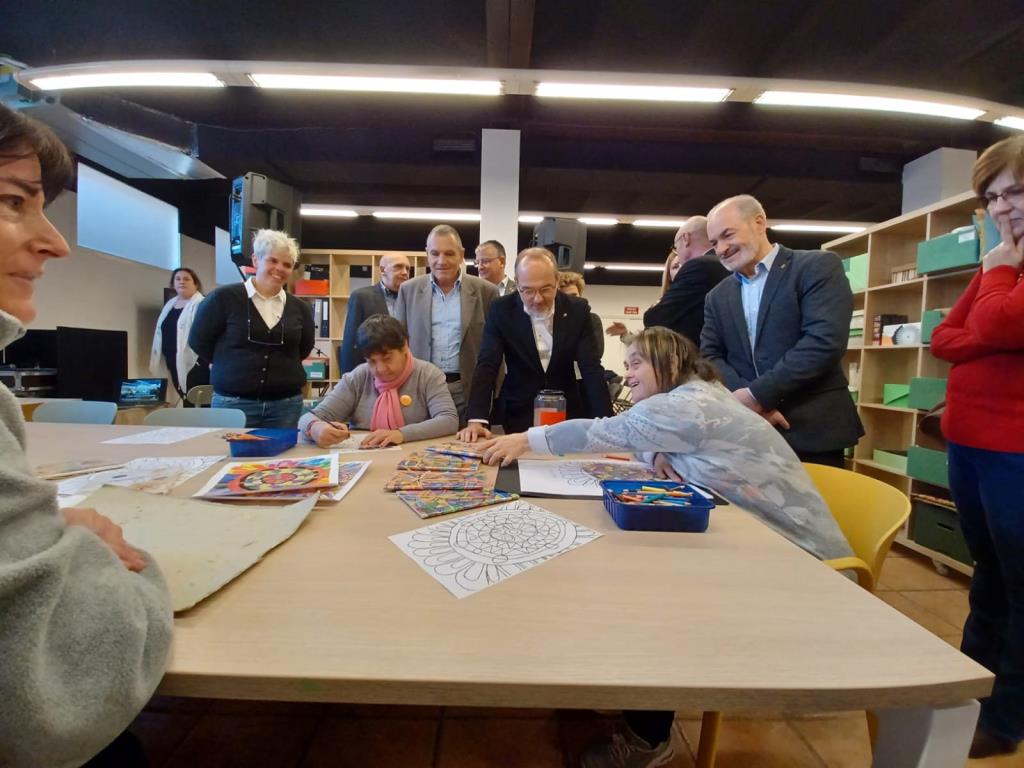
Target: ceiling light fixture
(328, 211)
(1017, 123)
(377, 84)
(530, 218)
(128, 80)
(633, 267)
(659, 223)
(631, 92)
(597, 221)
(875, 103)
(845, 228)
(427, 215)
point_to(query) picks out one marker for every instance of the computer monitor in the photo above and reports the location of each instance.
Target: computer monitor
(135, 392)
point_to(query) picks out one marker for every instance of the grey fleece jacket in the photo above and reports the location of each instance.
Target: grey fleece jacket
(83, 640)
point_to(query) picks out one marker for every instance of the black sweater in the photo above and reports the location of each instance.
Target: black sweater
(245, 368)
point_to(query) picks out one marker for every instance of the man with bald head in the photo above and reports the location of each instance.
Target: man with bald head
(541, 335)
(378, 299)
(682, 306)
(777, 332)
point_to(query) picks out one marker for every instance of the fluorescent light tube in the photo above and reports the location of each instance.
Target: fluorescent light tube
(815, 228)
(128, 80)
(631, 92)
(530, 219)
(597, 221)
(329, 211)
(634, 267)
(663, 223)
(1016, 123)
(378, 84)
(876, 103)
(427, 215)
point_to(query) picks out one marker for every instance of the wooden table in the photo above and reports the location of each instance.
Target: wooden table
(736, 619)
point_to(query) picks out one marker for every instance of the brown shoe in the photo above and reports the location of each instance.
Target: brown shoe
(988, 744)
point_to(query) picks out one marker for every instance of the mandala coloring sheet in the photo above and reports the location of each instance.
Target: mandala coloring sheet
(565, 477)
(473, 552)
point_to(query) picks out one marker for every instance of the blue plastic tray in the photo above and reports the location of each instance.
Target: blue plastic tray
(656, 517)
(280, 441)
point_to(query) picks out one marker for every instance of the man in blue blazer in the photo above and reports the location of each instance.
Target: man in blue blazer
(377, 299)
(540, 334)
(777, 331)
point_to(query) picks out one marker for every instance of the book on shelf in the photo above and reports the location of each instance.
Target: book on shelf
(880, 321)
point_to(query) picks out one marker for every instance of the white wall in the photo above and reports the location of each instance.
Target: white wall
(610, 302)
(95, 290)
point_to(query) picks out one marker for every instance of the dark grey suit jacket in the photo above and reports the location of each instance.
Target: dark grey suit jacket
(682, 306)
(361, 304)
(803, 326)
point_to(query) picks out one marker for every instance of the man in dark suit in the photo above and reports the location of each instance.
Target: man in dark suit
(378, 299)
(540, 334)
(777, 332)
(682, 306)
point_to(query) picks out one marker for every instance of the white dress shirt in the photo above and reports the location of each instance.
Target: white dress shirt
(542, 335)
(271, 308)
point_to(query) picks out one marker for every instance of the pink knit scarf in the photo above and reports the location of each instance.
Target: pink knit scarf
(387, 411)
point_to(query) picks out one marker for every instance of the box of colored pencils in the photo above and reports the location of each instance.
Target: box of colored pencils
(655, 505)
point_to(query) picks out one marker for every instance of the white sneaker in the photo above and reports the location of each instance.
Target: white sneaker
(627, 750)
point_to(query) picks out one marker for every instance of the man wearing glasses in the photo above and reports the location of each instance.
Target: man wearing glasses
(377, 299)
(257, 334)
(540, 334)
(490, 265)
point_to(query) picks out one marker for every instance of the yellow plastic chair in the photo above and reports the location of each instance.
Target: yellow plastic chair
(870, 513)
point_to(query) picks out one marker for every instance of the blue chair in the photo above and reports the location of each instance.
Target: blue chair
(228, 418)
(76, 412)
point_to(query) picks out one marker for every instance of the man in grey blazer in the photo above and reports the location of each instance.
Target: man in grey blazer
(444, 312)
(378, 299)
(777, 331)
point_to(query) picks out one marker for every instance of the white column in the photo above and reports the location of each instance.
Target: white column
(499, 192)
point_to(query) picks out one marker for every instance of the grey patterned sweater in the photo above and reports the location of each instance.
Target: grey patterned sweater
(83, 640)
(712, 439)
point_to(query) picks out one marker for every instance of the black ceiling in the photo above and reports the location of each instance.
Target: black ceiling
(587, 157)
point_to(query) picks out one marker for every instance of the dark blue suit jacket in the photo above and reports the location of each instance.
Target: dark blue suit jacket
(682, 306)
(361, 304)
(803, 326)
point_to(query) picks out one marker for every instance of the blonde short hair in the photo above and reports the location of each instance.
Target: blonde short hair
(566, 279)
(266, 241)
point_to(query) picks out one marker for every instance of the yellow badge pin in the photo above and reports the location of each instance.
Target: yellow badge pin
(405, 400)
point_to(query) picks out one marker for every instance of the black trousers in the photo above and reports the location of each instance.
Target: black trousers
(828, 458)
(124, 752)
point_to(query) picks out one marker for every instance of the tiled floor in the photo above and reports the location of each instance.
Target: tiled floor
(180, 733)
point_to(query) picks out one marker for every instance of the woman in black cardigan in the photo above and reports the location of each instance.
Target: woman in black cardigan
(257, 335)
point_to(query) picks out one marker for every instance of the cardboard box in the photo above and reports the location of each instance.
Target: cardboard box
(930, 321)
(928, 465)
(926, 393)
(312, 287)
(895, 395)
(953, 251)
(893, 459)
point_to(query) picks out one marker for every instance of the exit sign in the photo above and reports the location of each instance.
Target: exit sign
(631, 310)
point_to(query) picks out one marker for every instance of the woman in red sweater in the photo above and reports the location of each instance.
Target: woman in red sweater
(983, 337)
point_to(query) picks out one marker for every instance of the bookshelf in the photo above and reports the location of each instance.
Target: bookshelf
(340, 263)
(890, 247)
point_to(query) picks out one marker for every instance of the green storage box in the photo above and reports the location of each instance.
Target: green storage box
(952, 251)
(929, 322)
(938, 528)
(893, 459)
(928, 465)
(856, 269)
(895, 395)
(315, 370)
(926, 393)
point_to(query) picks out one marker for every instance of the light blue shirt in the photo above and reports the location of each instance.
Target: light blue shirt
(389, 298)
(751, 290)
(445, 327)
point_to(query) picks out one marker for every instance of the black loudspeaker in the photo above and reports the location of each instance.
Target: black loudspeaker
(259, 202)
(566, 238)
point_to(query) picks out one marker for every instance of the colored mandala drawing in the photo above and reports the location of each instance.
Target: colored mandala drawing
(433, 503)
(615, 470)
(425, 481)
(471, 553)
(438, 462)
(246, 478)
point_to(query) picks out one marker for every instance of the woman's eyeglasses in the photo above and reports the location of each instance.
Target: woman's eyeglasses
(1012, 195)
(248, 325)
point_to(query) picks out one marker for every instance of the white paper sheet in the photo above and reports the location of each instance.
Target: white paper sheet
(470, 553)
(564, 477)
(351, 445)
(161, 436)
(150, 474)
(198, 545)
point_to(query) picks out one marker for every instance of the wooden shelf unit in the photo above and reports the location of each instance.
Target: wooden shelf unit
(889, 245)
(341, 261)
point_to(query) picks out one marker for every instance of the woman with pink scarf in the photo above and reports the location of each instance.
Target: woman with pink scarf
(394, 395)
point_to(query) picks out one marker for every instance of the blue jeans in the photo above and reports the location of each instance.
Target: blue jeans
(986, 486)
(275, 414)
